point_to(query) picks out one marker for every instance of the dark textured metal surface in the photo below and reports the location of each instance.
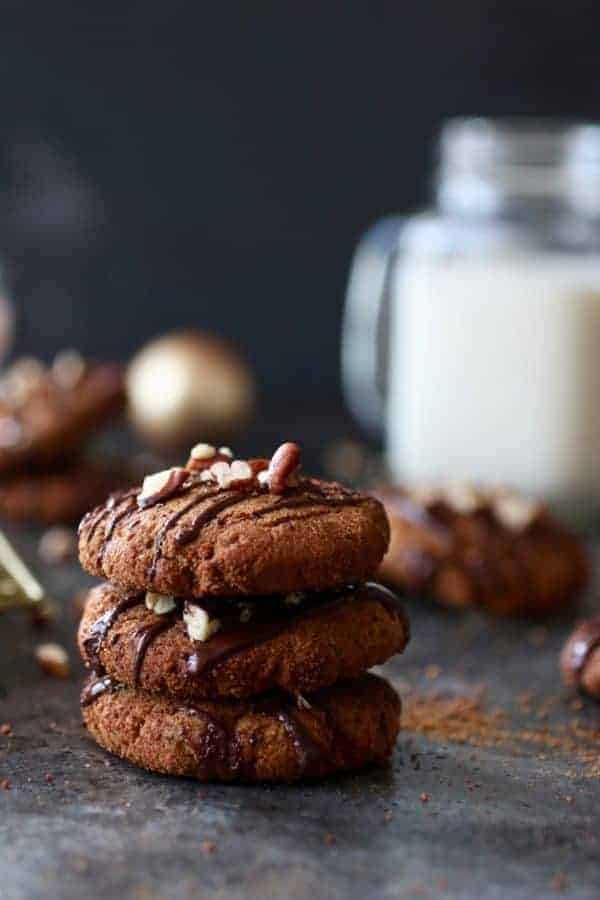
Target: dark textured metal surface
(499, 822)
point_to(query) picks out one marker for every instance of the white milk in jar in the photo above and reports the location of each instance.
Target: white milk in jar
(495, 372)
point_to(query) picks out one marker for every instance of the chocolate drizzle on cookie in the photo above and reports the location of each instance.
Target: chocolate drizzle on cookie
(143, 638)
(97, 686)
(225, 644)
(92, 644)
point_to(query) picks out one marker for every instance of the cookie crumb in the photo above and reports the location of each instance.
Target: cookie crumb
(49, 777)
(208, 847)
(6, 728)
(5, 784)
(559, 882)
(329, 839)
(425, 798)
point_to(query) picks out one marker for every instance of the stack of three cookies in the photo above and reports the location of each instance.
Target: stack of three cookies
(233, 636)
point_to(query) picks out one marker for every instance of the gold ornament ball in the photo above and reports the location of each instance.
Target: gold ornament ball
(188, 386)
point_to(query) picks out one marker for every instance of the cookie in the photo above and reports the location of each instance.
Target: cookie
(60, 496)
(273, 738)
(491, 549)
(231, 540)
(46, 414)
(298, 644)
(580, 657)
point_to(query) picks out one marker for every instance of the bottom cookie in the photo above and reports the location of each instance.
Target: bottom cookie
(271, 738)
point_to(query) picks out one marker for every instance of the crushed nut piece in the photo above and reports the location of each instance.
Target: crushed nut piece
(161, 486)
(5, 784)
(425, 798)
(199, 625)
(159, 603)
(6, 728)
(203, 451)
(53, 659)
(284, 463)
(302, 702)
(208, 847)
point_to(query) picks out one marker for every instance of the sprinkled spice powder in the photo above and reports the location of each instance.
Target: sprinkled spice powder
(467, 720)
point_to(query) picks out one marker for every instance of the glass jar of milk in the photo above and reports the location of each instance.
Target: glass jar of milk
(490, 308)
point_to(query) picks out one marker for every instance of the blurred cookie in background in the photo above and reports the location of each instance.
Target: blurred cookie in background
(62, 495)
(493, 549)
(48, 412)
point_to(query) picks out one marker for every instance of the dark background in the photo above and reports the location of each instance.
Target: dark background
(170, 163)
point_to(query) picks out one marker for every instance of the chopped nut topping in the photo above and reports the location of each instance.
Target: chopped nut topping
(203, 451)
(227, 474)
(200, 627)
(515, 512)
(53, 660)
(159, 603)
(462, 497)
(68, 368)
(161, 486)
(284, 463)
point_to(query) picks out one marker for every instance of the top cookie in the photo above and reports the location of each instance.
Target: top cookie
(221, 527)
(46, 413)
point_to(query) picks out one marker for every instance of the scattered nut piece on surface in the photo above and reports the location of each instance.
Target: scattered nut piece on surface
(53, 660)
(5, 784)
(161, 486)
(284, 463)
(58, 544)
(159, 603)
(199, 625)
(6, 728)
(208, 847)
